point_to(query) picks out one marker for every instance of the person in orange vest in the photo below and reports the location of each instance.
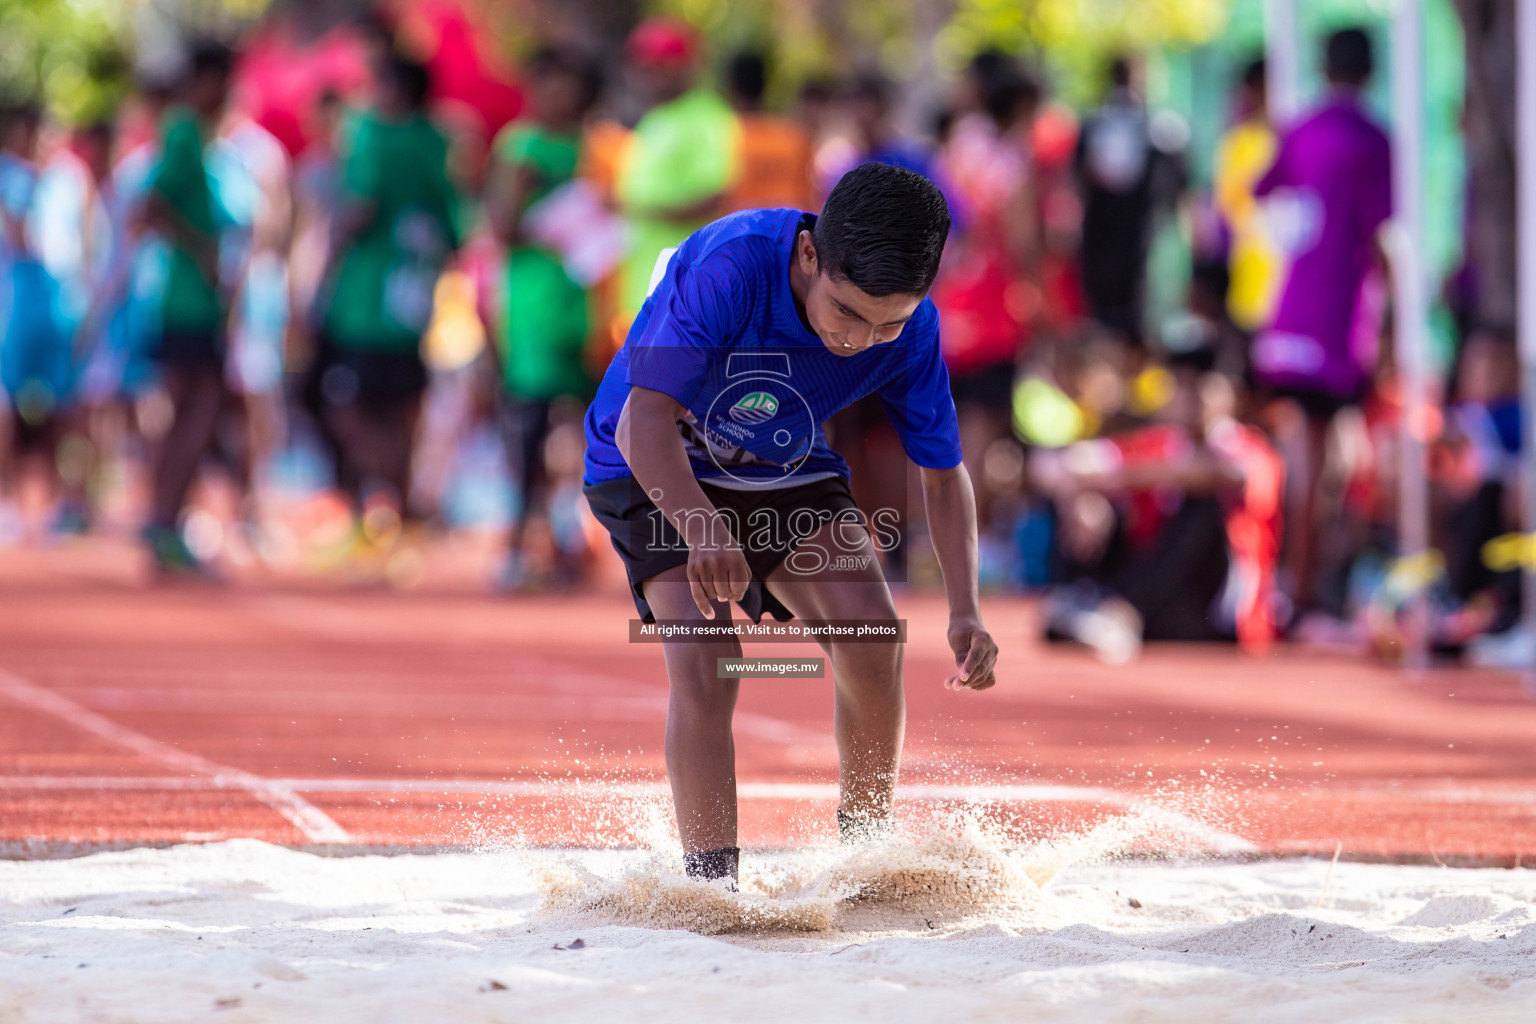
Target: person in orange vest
(774, 152)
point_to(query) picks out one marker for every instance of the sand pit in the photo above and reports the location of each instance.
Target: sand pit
(950, 927)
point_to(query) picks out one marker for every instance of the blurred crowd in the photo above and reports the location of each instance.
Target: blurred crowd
(325, 338)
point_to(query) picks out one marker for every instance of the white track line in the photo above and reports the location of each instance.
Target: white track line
(373, 704)
(648, 705)
(1216, 839)
(310, 820)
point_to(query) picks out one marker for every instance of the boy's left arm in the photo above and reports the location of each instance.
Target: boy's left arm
(951, 506)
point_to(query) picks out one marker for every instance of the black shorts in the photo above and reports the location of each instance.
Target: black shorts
(190, 348)
(649, 544)
(369, 377)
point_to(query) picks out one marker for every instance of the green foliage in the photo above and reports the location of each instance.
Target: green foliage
(65, 55)
(73, 57)
(808, 39)
(1075, 39)
(1072, 38)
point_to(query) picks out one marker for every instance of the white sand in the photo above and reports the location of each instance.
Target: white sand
(955, 927)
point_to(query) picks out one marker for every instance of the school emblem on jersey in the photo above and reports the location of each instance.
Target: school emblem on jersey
(758, 407)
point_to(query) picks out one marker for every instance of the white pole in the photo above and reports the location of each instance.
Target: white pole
(1525, 199)
(1412, 309)
(1282, 60)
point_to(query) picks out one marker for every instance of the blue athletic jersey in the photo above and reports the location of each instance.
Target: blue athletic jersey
(721, 333)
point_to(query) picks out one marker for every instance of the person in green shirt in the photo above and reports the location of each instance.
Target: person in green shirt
(681, 158)
(544, 321)
(395, 230)
(190, 350)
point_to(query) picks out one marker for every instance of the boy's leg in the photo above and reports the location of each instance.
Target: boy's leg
(8, 431)
(196, 392)
(355, 455)
(525, 425)
(869, 710)
(1302, 518)
(76, 461)
(399, 422)
(701, 754)
(312, 397)
(376, 441)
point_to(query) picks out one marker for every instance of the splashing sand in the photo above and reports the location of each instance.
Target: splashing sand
(948, 869)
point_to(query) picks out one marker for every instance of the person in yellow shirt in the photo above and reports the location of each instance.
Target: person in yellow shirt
(681, 158)
(1244, 153)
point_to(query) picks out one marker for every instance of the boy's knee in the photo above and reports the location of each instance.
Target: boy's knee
(702, 713)
(865, 604)
(870, 665)
(695, 685)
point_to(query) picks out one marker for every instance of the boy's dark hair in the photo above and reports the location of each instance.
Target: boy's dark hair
(1120, 72)
(941, 122)
(1255, 75)
(27, 114)
(411, 78)
(871, 87)
(883, 230)
(102, 129)
(819, 89)
(211, 57)
(1006, 93)
(990, 64)
(1348, 58)
(1199, 358)
(374, 27)
(746, 77)
(1212, 278)
(158, 89)
(557, 60)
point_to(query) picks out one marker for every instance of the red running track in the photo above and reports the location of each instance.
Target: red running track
(311, 715)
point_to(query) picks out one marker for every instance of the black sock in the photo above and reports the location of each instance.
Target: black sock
(712, 864)
(853, 831)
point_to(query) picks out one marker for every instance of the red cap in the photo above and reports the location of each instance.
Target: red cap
(662, 42)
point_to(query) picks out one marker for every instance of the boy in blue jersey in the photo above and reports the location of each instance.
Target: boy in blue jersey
(707, 464)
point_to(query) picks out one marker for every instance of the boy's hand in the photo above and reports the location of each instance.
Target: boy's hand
(975, 655)
(717, 573)
(648, 438)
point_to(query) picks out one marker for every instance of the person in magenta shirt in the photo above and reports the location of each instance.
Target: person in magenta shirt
(1328, 194)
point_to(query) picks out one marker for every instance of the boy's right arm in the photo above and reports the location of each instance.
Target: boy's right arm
(647, 436)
